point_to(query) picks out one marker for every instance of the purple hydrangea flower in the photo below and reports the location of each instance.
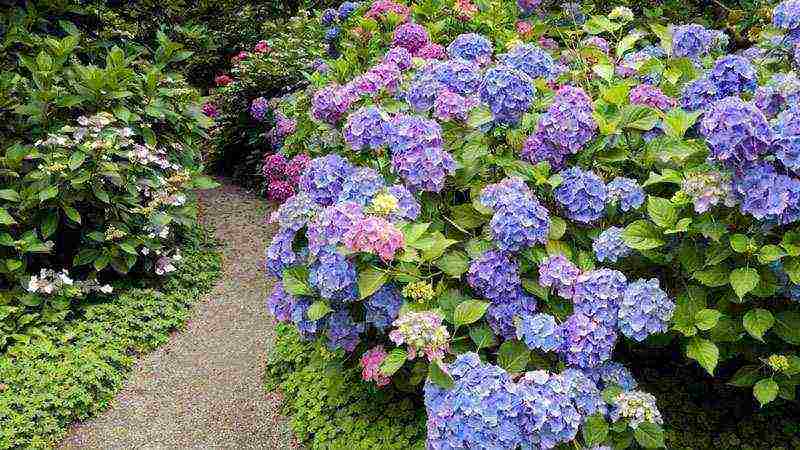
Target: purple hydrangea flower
(494, 275)
(328, 16)
(598, 294)
(330, 103)
(540, 331)
(431, 51)
(280, 303)
(366, 128)
(385, 76)
(548, 415)
(767, 195)
(332, 34)
(692, 41)
(280, 254)
(508, 92)
(457, 75)
(334, 276)
(400, 56)
(612, 373)
(519, 221)
(699, 94)
(259, 108)
(424, 169)
(408, 207)
(422, 94)
(788, 138)
(627, 192)
(733, 75)
(781, 90)
(559, 273)
(787, 15)
(323, 178)
(307, 328)
(504, 312)
(645, 310)
(410, 36)
(538, 148)
(451, 106)
(531, 60)
(383, 307)
(361, 186)
(587, 343)
(471, 47)
(528, 6)
(343, 332)
(328, 227)
(295, 212)
(413, 133)
(708, 189)
(737, 132)
(609, 245)
(346, 9)
(648, 95)
(632, 61)
(582, 194)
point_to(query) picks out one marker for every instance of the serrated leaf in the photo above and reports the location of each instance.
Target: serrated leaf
(318, 310)
(595, 429)
(393, 361)
(787, 326)
(713, 277)
(746, 376)
(295, 281)
(765, 391)
(453, 263)
(513, 356)
(413, 231)
(557, 228)
(9, 195)
(48, 193)
(642, 235)
(482, 336)
(649, 435)
(706, 319)
(770, 253)
(704, 352)
(744, 280)
(757, 322)
(439, 376)
(662, 212)
(469, 311)
(370, 280)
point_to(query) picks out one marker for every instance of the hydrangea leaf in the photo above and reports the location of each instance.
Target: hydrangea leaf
(393, 361)
(757, 322)
(642, 235)
(765, 391)
(295, 281)
(440, 377)
(513, 356)
(715, 276)
(640, 118)
(482, 336)
(595, 429)
(787, 326)
(704, 352)
(318, 310)
(469, 311)
(744, 280)
(706, 319)
(746, 376)
(649, 435)
(466, 217)
(662, 212)
(453, 263)
(370, 280)
(770, 253)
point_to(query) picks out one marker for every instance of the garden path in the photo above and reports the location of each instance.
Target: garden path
(204, 388)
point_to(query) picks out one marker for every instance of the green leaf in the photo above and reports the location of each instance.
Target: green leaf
(770, 253)
(48, 193)
(318, 310)
(662, 212)
(744, 280)
(72, 213)
(792, 268)
(765, 391)
(413, 231)
(715, 276)
(687, 305)
(469, 311)
(440, 377)
(649, 435)
(479, 116)
(757, 322)
(9, 195)
(557, 228)
(466, 217)
(706, 319)
(203, 182)
(677, 121)
(5, 217)
(642, 235)
(482, 336)
(393, 361)
(49, 224)
(295, 281)
(746, 376)
(453, 263)
(787, 326)
(76, 160)
(595, 429)
(370, 280)
(638, 117)
(739, 243)
(513, 356)
(704, 352)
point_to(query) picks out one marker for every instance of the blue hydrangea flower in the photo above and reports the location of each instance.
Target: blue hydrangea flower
(494, 275)
(519, 221)
(295, 212)
(540, 331)
(612, 373)
(471, 47)
(692, 41)
(366, 128)
(609, 245)
(559, 273)
(737, 132)
(766, 194)
(334, 276)
(582, 194)
(480, 411)
(587, 343)
(328, 16)
(280, 303)
(547, 415)
(361, 186)
(343, 332)
(308, 329)
(788, 138)
(346, 9)
(410, 132)
(531, 60)
(538, 148)
(408, 208)
(400, 56)
(504, 312)
(259, 108)
(508, 92)
(328, 227)
(457, 75)
(584, 393)
(645, 310)
(733, 75)
(781, 90)
(699, 94)
(787, 15)
(280, 254)
(383, 306)
(323, 178)
(424, 169)
(627, 192)
(566, 127)
(598, 294)
(422, 94)
(332, 34)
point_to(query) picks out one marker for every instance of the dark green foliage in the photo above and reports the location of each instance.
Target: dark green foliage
(332, 408)
(72, 370)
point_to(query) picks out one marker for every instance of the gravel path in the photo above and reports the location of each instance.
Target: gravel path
(203, 389)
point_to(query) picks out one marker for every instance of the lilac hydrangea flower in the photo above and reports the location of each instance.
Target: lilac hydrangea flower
(280, 254)
(334, 276)
(609, 245)
(699, 94)
(368, 127)
(346, 9)
(480, 411)
(787, 149)
(766, 194)
(649, 95)
(424, 169)
(408, 208)
(781, 90)
(343, 332)
(528, 6)
(540, 331)
(330, 103)
(627, 192)
(508, 92)
(361, 185)
(531, 60)
(295, 212)
(383, 306)
(692, 41)
(375, 235)
(328, 16)
(519, 221)
(413, 133)
(612, 373)
(548, 415)
(598, 294)
(494, 275)
(504, 312)
(736, 131)
(471, 47)
(280, 303)
(457, 75)
(422, 94)
(787, 15)
(326, 229)
(385, 76)
(708, 189)
(259, 108)
(587, 343)
(582, 194)
(538, 148)
(733, 75)
(323, 178)
(559, 273)
(645, 310)
(410, 36)
(431, 51)
(400, 56)
(451, 106)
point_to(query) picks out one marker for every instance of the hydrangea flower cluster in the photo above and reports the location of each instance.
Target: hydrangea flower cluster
(280, 303)
(323, 178)
(407, 206)
(636, 406)
(295, 213)
(787, 15)
(381, 8)
(540, 331)
(494, 275)
(361, 186)
(598, 294)
(371, 362)
(383, 306)
(413, 133)
(432, 51)
(737, 132)
(781, 90)
(374, 235)
(259, 108)
(609, 245)
(421, 332)
(612, 373)
(582, 194)
(343, 332)
(627, 192)
(787, 129)
(451, 106)
(508, 92)
(327, 229)
(560, 274)
(548, 414)
(530, 60)
(472, 47)
(692, 41)
(708, 189)
(424, 169)
(699, 94)
(645, 309)
(519, 221)
(733, 75)
(330, 103)
(649, 95)
(410, 36)
(398, 56)
(587, 343)
(766, 194)
(280, 254)
(334, 276)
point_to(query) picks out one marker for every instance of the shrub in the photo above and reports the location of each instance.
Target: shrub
(485, 226)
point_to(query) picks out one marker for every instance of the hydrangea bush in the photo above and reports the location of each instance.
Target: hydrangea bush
(630, 192)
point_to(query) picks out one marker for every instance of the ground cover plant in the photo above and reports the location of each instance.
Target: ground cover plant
(503, 203)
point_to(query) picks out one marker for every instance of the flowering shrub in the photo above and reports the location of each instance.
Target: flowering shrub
(580, 201)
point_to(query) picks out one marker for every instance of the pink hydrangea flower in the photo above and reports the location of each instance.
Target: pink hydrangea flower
(279, 191)
(262, 47)
(465, 9)
(380, 8)
(210, 110)
(223, 80)
(524, 28)
(371, 362)
(240, 57)
(375, 235)
(274, 166)
(432, 51)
